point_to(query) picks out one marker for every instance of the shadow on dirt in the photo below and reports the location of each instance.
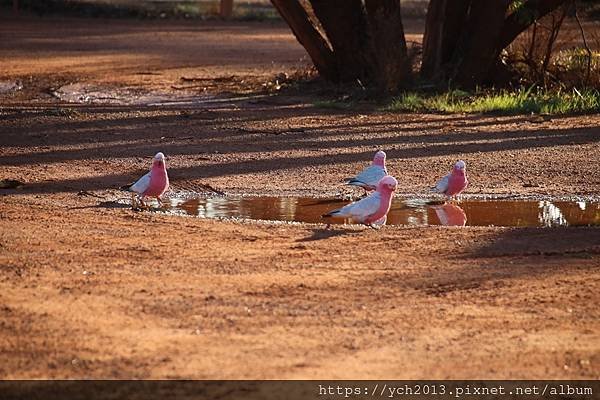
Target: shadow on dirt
(103, 204)
(561, 241)
(512, 255)
(324, 233)
(208, 134)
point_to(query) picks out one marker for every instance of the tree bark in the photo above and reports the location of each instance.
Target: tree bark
(446, 20)
(432, 39)
(461, 46)
(344, 23)
(520, 20)
(390, 65)
(226, 9)
(478, 49)
(309, 37)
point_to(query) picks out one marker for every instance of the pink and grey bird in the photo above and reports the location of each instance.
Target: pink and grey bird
(373, 209)
(371, 175)
(154, 184)
(455, 182)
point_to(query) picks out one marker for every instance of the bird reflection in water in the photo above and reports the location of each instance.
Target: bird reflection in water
(450, 215)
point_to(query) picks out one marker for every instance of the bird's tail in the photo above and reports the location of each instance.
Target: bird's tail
(330, 214)
(127, 187)
(354, 182)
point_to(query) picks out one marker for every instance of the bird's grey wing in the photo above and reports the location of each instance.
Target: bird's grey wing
(442, 185)
(141, 185)
(360, 210)
(370, 176)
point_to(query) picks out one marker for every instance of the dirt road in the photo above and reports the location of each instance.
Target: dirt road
(90, 289)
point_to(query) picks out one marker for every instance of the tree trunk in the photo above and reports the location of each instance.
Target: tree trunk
(432, 39)
(226, 9)
(463, 38)
(478, 49)
(444, 27)
(345, 26)
(309, 37)
(462, 42)
(522, 18)
(390, 68)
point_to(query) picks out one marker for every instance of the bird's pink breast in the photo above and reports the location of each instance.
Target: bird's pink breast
(159, 182)
(456, 184)
(384, 207)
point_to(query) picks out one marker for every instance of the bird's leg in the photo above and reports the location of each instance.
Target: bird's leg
(133, 202)
(160, 203)
(144, 205)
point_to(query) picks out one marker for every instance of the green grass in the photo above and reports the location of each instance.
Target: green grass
(500, 102)
(241, 12)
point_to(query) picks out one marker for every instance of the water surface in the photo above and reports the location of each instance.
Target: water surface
(517, 213)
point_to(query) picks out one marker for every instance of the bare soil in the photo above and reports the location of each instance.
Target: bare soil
(92, 290)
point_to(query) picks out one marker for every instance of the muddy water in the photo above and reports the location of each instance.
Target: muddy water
(98, 94)
(84, 93)
(524, 213)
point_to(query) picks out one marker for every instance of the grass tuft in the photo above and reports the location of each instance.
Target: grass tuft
(523, 101)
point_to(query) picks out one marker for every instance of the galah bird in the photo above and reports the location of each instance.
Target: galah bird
(371, 175)
(154, 184)
(455, 182)
(373, 209)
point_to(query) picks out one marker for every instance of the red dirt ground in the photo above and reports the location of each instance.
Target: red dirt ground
(90, 290)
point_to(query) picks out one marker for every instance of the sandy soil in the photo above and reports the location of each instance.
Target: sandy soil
(89, 289)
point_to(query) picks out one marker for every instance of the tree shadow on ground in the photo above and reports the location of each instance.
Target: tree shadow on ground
(559, 241)
(106, 125)
(173, 135)
(479, 274)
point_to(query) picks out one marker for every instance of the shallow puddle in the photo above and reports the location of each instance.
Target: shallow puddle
(99, 94)
(523, 213)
